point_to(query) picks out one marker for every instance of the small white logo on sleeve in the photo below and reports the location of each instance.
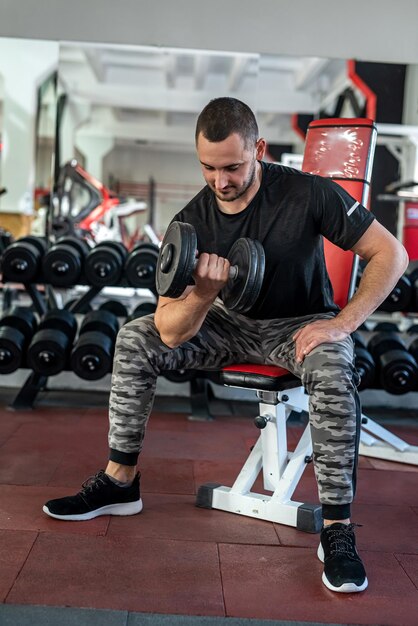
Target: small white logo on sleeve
(353, 208)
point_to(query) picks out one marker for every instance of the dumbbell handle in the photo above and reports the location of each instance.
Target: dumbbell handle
(167, 257)
(233, 270)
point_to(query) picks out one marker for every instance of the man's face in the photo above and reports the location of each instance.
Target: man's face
(229, 167)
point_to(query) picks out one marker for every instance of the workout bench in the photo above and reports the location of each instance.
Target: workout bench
(341, 149)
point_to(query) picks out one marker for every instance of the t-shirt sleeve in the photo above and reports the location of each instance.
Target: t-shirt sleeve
(340, 218)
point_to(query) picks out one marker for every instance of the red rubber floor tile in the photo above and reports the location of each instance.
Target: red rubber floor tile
(285, 584)
(410, 564)
(14, 549)
(21, 509)
(152, 576)
(176, 517)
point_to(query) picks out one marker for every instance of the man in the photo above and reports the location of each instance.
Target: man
(294, 323)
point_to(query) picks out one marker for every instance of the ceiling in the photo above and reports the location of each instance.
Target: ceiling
(153, 95)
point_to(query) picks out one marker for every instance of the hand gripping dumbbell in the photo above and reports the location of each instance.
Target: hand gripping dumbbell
(63, 263)
(21, 261)
(104, 264)
(17, 326)
(49, 350)
(177, 261)
(92, 355)
(141, 265)
(396, 368)
(364, 362)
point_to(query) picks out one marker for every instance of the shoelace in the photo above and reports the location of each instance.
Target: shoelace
(342, 541)
(93, 482)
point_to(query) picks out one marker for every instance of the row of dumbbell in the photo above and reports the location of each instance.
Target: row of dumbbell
(386, 360)
(49, 347)
(71, 261)
(404, 296)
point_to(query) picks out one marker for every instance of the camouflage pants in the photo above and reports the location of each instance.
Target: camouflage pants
(226, 337)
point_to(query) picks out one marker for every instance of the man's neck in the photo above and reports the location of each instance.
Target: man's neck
(241, 203)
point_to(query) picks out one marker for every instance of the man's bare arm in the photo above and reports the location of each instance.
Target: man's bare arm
(387, 260)
(180, 319)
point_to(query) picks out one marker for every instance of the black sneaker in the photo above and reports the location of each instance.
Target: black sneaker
(343, 568)
(99, 496)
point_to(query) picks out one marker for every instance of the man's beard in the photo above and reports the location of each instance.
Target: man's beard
(242, 190)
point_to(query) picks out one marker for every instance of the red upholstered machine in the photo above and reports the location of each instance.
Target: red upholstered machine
(341, 149)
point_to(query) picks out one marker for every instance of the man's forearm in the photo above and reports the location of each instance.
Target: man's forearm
(379, 277)
(180, 320)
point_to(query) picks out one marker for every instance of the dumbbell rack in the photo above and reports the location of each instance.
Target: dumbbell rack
(43, 298)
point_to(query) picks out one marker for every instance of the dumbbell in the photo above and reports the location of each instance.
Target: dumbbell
(364, 362)
(386, 327)
(63, 263)
(21, 261)
(92, 355)
(141, 264)
(400, 297)
(86, 308)
(396, 368)
(104, 263)
(114, 306)
(50, 347)
(17, 326)
(177, 261)
(142, 309)
(179, 376)
(413, 277)
(413, 330)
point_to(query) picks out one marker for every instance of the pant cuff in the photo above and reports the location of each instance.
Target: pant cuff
(124, 458)
(336, 511)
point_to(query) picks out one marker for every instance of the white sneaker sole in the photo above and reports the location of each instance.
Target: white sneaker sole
(129, 508)
(346, 587)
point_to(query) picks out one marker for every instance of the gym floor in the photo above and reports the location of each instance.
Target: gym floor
(175, 564)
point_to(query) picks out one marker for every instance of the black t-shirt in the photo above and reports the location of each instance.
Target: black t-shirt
(288, 215)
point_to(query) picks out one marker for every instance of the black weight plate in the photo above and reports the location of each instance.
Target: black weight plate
(86, 308)
(60, 319)
(384, 342)
(145, 308)
(365, 367)
(12, 344)
(114, 306)
(386, 327)
(179, 376)
(21, 318)
(39, 242)
(78, 244)
(92, 356)
(176, 260)
(47, 352)
(413, 330)
(398, 372)
(140, 266)
(21, 262)
(101, 321)
(241, 292)
(103, 266)
(62, 265)
(399, 298)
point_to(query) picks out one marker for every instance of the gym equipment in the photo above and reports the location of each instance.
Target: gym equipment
(179, 376)
(62, 264)
(114, 306)
(177, 261)
(92, 355)
(365, 365)
(327, 152)
(104, 263)
(142, 309)
(70, 303)
(386, 327)
(49, 349)
(17, 326)
(413, 278)
(141, 264)
(397, 370)
(413, 330)
(399, 298)
(21, 260)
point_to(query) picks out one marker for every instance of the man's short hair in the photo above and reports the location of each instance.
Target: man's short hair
(224, 116)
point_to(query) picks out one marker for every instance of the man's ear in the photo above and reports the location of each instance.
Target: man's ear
(260, 148)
